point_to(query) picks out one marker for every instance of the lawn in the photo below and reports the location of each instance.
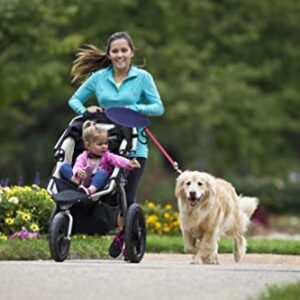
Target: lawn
(281, 292)
(96, 247)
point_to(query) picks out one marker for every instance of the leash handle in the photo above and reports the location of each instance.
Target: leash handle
(163, 151)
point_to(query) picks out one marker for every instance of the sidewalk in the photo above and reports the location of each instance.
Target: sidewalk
(226, 259)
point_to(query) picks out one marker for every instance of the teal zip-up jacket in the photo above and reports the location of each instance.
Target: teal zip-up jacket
(137, 91)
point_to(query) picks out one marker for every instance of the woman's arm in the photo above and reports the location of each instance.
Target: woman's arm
(82, 94)
(153, 105)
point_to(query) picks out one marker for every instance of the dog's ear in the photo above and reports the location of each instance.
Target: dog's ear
(179, 183)
(211, 182)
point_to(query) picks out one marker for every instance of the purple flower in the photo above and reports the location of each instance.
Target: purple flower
(37, 178)
(21, 181)
(24, 234)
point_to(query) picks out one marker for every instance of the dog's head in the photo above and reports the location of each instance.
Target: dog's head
(194, 187)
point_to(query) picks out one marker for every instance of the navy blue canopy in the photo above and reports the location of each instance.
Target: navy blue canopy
(127, 117)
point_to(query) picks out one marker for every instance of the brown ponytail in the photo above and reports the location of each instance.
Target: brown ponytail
(88, 60)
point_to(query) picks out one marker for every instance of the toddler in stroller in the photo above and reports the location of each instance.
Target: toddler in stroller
(94, 209)
(94, 165)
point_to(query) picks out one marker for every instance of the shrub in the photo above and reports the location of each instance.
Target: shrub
(276, 196)
(161, 219)
(28, 207)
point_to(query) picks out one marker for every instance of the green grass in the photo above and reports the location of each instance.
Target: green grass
(32, 249)
(97, 247)
(285, 292)
(255, 245)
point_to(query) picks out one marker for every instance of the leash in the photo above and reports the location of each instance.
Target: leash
(130, 118)
(163, 151)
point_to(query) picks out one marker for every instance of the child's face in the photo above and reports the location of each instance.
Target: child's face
(99, 146)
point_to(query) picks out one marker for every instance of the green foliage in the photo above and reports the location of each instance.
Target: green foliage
(227, 72)
(281, 292)
(24, 206)
(275, 195)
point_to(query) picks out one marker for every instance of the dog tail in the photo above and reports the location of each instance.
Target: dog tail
(248, 204)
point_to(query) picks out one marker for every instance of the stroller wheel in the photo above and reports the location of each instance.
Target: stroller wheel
(54, 211)
(135, 234)
(58, 242)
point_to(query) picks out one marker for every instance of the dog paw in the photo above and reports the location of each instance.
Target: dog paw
(215, 262)
(237, 257)
(211, 261)
(194, 262)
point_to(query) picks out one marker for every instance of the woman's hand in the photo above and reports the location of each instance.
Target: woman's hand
(94, 109)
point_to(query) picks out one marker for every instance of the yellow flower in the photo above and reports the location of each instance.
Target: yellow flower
(26, 217)
(166, 229)
(168, 206)
(13, 200)
(35, 186)
(27, 188)
(34, 227)
(157, 225)
(3, 237)
(9, 213)
(150, 204)
(167, 215)
(152, 219)
(9, 221)
(176, 223)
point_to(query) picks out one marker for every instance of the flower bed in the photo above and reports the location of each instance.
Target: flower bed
(24, 211)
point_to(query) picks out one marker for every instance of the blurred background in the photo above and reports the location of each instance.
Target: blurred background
(228, 73)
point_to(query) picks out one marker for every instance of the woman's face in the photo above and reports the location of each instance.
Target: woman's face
(120, 54)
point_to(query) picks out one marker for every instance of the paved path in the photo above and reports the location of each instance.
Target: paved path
(157, 277)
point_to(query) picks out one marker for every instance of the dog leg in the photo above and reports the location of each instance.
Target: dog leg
(209, 249)
(196, 259)
(239, 248)
(189, 243)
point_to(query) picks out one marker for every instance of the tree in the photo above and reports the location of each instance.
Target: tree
(227, 72)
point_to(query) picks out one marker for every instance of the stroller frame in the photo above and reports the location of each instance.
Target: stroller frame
(61, 223)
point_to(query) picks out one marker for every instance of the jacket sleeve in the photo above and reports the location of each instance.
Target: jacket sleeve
(79, 163)
(83, 93)
(118, 161)
(153, 105)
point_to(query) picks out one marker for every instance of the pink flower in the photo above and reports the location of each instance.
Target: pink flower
(24, 234)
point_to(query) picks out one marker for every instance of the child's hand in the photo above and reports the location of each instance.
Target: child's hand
(134, 163)
(81, 173)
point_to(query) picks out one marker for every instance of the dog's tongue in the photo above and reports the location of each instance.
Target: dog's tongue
(193, 201)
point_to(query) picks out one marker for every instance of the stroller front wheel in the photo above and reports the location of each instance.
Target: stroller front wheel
(135, 233)
(58, 237)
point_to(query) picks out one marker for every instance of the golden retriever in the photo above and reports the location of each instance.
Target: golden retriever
(209, 207)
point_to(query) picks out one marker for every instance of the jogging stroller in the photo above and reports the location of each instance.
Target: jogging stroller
(76, 212)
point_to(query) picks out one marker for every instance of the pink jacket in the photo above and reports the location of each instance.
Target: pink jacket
(107, 162)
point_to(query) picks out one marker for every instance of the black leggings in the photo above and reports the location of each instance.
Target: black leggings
(133, 180)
